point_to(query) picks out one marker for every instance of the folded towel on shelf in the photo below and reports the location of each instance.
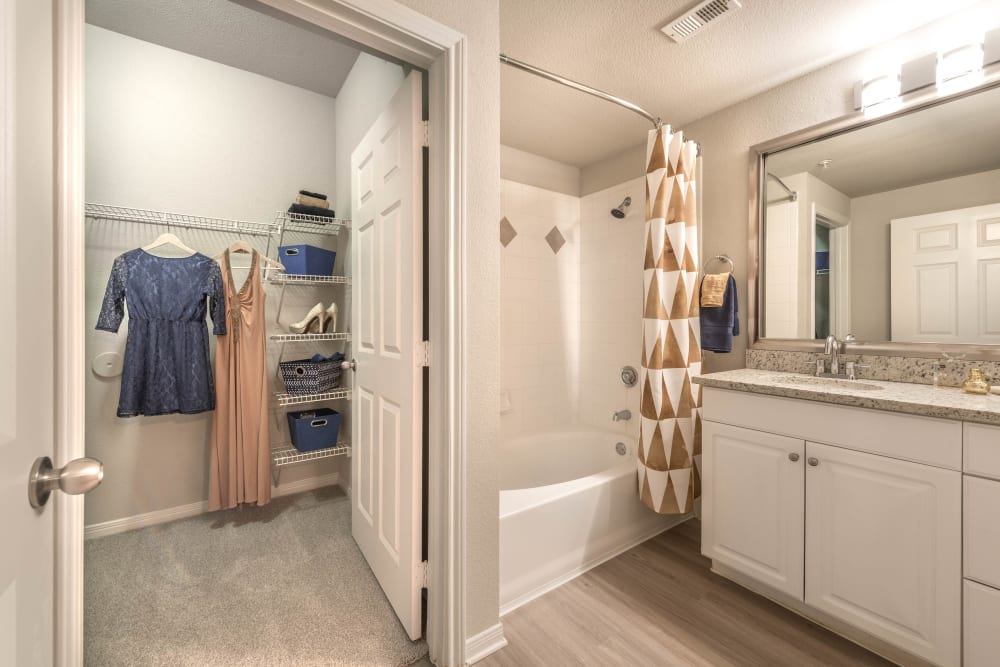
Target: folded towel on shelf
(306, 200)
(317, 195)
(713, 287)
(720, 323)
(311, 210)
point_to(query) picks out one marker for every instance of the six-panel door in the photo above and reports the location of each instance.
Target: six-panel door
(753, 502)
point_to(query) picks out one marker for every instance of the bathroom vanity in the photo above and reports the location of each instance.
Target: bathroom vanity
(871, 507)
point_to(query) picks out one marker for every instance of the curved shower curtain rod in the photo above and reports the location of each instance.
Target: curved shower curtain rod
(551, 76)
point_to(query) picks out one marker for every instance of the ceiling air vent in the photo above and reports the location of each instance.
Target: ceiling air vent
(698, 17)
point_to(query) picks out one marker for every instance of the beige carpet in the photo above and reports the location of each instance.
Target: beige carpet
(281, 585)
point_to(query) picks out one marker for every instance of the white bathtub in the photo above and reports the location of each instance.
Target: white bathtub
(568, 502)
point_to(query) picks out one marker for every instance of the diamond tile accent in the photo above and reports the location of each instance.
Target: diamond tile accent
(555, 239)
(507, 232)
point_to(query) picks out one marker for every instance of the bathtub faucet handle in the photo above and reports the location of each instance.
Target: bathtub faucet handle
(621, 416)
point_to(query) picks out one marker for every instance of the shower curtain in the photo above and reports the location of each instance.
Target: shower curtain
(670, 421)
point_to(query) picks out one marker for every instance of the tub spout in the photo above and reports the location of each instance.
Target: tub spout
(621, 416)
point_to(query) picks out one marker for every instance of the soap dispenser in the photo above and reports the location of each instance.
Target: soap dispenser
(976, 383)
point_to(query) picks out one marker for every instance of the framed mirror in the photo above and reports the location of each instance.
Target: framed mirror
(887, 228)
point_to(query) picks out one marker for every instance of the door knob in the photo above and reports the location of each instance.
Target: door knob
(813, 461)
(76, 477)
(792, 456)
(351, 365)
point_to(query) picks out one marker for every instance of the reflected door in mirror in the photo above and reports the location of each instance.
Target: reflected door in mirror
(946, 276)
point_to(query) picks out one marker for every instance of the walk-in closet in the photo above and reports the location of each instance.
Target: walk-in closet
(254, 305)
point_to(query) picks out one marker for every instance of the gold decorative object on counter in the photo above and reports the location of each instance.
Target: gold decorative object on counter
(976, 383)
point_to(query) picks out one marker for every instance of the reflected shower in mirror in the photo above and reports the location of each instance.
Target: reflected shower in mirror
(890, 231)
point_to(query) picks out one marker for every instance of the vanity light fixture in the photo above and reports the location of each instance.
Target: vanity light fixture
(950, 69)
(880, 95)
(960, 67)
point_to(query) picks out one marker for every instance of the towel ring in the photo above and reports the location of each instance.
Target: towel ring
(720, 258)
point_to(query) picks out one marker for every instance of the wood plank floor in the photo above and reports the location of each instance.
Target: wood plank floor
(658, 604)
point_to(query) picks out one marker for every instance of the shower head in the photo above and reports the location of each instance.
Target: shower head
(619, 211)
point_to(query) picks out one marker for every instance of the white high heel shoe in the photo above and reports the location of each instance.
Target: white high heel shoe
(314, 321)
(330, 324)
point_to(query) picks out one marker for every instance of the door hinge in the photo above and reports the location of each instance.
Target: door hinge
(421, 574)
(426, 139)
(424, 353)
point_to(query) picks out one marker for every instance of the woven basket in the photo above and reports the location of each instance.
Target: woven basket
(305, 376)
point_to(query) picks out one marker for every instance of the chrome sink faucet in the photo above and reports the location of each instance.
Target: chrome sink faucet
(835, 348)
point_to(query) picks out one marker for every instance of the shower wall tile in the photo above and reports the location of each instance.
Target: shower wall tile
(611, 257)
(540, 310)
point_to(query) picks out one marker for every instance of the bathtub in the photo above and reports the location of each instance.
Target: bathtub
(568, 502)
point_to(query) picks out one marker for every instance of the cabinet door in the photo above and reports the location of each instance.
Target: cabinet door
(752, 504)
(884, 548)
(982, 619)
(982, 530)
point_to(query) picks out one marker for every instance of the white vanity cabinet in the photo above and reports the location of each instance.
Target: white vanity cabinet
(883, 548)
(818, 503)
(753, 505)
(981, 529)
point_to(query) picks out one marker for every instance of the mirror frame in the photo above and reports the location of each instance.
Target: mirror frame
(917, 100)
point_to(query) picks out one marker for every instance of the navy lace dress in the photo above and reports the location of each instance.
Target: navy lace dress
(167, 367)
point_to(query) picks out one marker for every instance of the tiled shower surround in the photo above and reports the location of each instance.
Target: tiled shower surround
(571, 307)
(539, 308)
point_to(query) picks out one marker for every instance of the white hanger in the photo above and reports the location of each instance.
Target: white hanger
(168, 239)
(244, 247)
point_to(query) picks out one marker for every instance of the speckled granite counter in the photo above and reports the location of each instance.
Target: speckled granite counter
(916, 399)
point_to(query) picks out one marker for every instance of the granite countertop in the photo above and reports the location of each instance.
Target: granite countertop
(915, 399)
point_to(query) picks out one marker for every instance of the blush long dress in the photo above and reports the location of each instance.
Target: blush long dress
(240, 455)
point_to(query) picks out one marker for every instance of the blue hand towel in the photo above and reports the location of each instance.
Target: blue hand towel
(720, 324)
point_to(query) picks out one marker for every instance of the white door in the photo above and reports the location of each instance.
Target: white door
(387, 322)
(26, 338)
(945, 271)
(752, 504)
(884, 548)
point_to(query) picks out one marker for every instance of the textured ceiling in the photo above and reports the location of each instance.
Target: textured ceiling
(953, 139)
(618, 47)
(234, 35)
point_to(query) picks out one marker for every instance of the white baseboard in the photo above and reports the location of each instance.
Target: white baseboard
(552, 584)
(485, 643)
(307, 484)
(128, 523)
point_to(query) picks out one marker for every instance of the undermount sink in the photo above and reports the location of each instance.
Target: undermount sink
(812, 381)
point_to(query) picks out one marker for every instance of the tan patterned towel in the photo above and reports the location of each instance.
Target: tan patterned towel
(306, 200)
(713, 289)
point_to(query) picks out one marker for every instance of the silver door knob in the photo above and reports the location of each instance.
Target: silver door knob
(813, 461)
(351, 365)
(76, 477)
(792, 456)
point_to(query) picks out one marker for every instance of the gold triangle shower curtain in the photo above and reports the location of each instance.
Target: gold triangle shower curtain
(670, 420)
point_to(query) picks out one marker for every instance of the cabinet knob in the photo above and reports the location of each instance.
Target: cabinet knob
(792, 456)
(813, 461)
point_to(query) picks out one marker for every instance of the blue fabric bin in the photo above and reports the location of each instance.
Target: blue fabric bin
(307, 260)
(314, 429)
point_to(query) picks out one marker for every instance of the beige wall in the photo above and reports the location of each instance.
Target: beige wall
(479, 20)
(530, 169)
(870, 217)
